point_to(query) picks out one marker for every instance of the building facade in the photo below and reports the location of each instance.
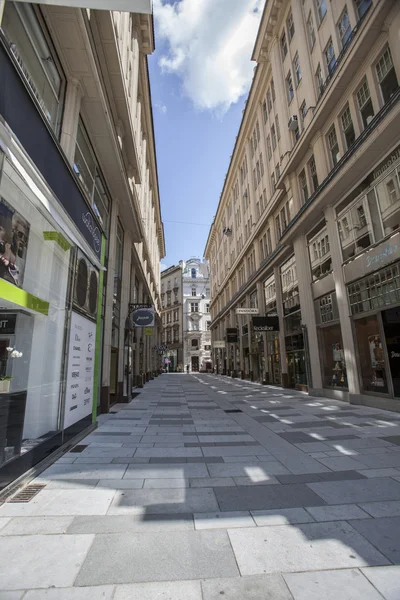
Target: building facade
(312, 203)
(172, 319)
(81, 234)
(196, 315)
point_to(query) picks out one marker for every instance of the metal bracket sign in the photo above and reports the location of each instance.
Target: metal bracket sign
(142, 315)
(134, 6)
(247, 311)
(218, 344)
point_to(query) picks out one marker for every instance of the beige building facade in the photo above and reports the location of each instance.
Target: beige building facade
(307, 227)
(172, 319)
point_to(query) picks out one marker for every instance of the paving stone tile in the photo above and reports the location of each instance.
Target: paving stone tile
(131, 523)
(223, 520)
(235, 451)
(308, 547)
(152, 557)
(348, 584)
(371, 473)
(168, 452)
(12, 595)
(313, 447)
(385, 579)
(382, 509)
(306, 478)
(384, 534)
(248, 469)
(120, 484)
(262, 480)
(68, 484)
(32, 555)
(4, 521)
(257, 587)
(99, 592)
(354, 492)
(83, 472)
(393, 439)
(266, 497)
(52, 503)
(281, 516)
(177, 590)
(165, 501)
(130, 461)
(37, 525)
(165, 483)
(202, 482)
(343, 463)
(343, 512)
(166, 471)
(341, 476)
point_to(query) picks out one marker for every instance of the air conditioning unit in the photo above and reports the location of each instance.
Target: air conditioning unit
(293, 124)
(86, 286)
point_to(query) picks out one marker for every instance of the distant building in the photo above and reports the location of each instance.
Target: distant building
(171, 317)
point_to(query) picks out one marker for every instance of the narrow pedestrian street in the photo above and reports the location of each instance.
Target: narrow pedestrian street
(207, 487)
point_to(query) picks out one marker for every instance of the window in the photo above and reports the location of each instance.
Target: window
(193, 273)
(261, 164)
(386, 75)
(365, 103)
(269, 102)
(194, 307)
(362, 7)
(278, 130)
(303, 112)
(283, 218)
(344, 27)
(355, 227)
(312, 170)
(333, 145)
(258, 172)
(269, 149)
(273, 134)
(330, 57)
(273, 182)
(195, 343)
(283, 45)
(87, 170)
(289, 87)
(265, 112)
(303, 186)
(278, 228)
(258, 131)
(321, 9)
(319, 79)
(208, 325)
(311, 31)
(348, 127)
(208, 307)
(277, 171)
(255, 179)
(269, 243)
(36, 60)
(296, 69)
(290, 26)
(194, 291)
(273, 90)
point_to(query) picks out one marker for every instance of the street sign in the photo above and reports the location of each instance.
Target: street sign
(135, 6)
(218, 344)
(267, 323)
(247, 311)
(148, 331)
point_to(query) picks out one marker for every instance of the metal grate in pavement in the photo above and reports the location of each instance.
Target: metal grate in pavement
(27, 494)
(79, 448)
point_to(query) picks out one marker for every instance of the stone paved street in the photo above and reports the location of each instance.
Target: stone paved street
(207, 487)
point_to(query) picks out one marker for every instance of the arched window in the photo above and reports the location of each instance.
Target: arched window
(194, 273)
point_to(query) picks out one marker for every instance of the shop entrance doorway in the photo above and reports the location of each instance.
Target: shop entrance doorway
(195, 363)
(391, 326)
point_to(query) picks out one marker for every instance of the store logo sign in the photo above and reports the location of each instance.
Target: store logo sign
(383, 255)
(395, 354)
(387, 163)
(88, 221)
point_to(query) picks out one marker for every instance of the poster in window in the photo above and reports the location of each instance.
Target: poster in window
(14, 237)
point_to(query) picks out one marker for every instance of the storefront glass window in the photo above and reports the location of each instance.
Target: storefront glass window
(372, 364)
(375, 291)
(331, 352)
(35, 59)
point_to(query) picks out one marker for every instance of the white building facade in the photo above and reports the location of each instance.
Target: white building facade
(196, 315)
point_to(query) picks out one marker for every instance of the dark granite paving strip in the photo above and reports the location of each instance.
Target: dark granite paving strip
(296, 437)
(313, 477)
(211, 459)
(218, 444)
(266, 497)
(319, 425)
(101, 433)
(341, 476)
(334, 438)
(265, 419)
(393, 439)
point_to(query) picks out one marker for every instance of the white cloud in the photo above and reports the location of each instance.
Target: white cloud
(209, 46)
(162, 108)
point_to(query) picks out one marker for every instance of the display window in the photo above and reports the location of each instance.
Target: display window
(373, 366)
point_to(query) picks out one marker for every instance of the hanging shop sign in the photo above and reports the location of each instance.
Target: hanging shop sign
(142, 315)
(232, 335)
(148, 331)
(267, 323)
(247, 311)
(80, 374)
(7, 323)
(218, 344)
(135, 6)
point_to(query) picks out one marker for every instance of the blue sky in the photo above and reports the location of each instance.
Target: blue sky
(200, 74)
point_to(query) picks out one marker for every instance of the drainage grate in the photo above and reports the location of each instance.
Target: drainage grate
(79, 448)
(234, 410)
(27, 494)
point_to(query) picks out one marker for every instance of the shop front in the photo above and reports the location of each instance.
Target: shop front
(273, 359)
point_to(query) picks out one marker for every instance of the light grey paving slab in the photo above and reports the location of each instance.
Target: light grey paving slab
(384, 534)
(93, 460)
(226, 438)
(68, 484)
(165, 483)
(106, 452)
(246, 459)
(61, 503)
(348, 584)
(385, 579)
(381, 461)
(223, 520)
(132, 523)
(99, 592)
(354, 492)
(164, 501)
(65, 460)
(281, 516)
(370, 442)
(27, 559)
(166, 471)
(235, 451)
(111, 471)
(177, 590)
(170, 437)
(168, 452)
(11, 595)
(313, 447)
(4, 521)
(342, 512)
(262, 480)
(202, 482)
(345, 463)
(248, 469)
(152, 557)
(308, 547)
(256, 587)
(371, 473)
(120, 484)
(37, 525)
(382, 509)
